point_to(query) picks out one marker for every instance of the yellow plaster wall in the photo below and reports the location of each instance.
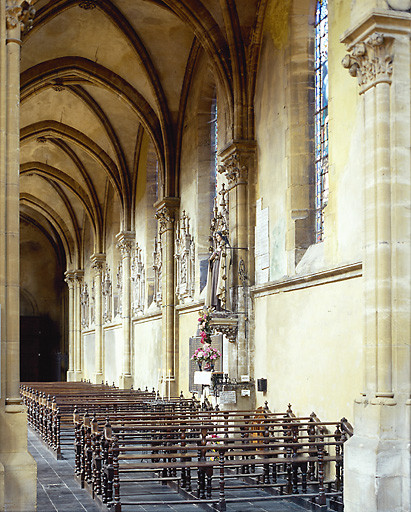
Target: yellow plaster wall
(309, 347)
(147, 352)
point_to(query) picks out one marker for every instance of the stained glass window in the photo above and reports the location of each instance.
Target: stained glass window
(321, 115)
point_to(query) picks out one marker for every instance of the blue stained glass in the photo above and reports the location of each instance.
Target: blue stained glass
(321, 114)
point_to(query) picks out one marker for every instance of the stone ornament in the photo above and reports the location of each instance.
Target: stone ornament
(118, 300)
(234, 170)
(165, 219)
(84, 306)
(19, 12)
(158, 270)
(107, 295)
(184, 255)
(370, 61)
(88, 4)
(138, 281)
(219, 221)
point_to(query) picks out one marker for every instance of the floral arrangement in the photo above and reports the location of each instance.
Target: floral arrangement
(204, 325)
(206, 354)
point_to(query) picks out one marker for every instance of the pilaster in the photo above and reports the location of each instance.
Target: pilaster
(78, 355)
(237, 165)
(125, 243)
(98, 261)
(166, 210)
(69, 279)
(376, 458)
(16, 463)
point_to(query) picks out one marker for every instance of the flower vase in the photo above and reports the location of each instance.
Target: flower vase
(200, 365)
(209, 367)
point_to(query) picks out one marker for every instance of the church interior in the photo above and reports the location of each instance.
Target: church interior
(245, 159)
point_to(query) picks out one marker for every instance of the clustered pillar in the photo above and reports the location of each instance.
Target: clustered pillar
(166, 211)
(125, 243)
(377, 470)
(98, 261)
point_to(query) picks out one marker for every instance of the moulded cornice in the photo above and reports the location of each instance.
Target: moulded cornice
(387, 22)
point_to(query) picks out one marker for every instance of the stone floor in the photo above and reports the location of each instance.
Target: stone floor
(57, 491)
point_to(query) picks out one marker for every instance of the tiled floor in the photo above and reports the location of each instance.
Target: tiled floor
(57, 491)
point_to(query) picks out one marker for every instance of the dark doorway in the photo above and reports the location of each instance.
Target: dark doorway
(40, 358)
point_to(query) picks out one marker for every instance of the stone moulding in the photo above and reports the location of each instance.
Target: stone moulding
(298, 282)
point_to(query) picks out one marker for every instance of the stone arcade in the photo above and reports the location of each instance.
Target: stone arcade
(132, 131)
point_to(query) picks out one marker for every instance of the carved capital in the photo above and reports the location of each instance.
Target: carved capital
(125, 242)
(98, 262)
(19, 12)
(69, 278)
(370, 61)
(237, 161)
(234, 170)
(226, 325)
(79, 275)
(165, 213)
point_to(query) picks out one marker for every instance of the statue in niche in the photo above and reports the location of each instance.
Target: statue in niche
(218, 263)
(84, 303)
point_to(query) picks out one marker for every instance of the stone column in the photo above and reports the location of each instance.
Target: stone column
(125, 241)
(98, 261)
(71, 341)
(237, 164)
(16, 464)
(78, 361)
(165, 212)
(377, 471)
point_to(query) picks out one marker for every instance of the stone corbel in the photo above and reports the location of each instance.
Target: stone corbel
(370, 60)
(228, 326)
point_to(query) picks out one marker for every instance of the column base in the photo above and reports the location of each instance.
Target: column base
(376, 459)
(98, 378)
(70, 376)
(18, 470)
(78, 376)
(126, 381)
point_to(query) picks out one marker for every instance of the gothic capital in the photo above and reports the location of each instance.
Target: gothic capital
(69, 278)
(125, 242)
(98, 261)
(236, 161)
(78, 275)
(370, 60)
(165, 213)
(19, 12)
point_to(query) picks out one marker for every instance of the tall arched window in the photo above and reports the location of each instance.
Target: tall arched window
(321, 115)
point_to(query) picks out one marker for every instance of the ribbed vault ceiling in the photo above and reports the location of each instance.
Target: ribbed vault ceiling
(97, 76)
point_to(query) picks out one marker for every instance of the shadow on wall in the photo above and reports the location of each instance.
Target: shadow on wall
(40, 356)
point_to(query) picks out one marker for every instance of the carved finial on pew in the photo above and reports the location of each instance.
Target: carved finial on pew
(114, 384)
(146, 390)
(108, 433)
(266, 406)
(94, 424)
(106, 383)
(289, 410)
(154, 390)
(157, 394)
(102, 382)
(217, 408)
(181, 395)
